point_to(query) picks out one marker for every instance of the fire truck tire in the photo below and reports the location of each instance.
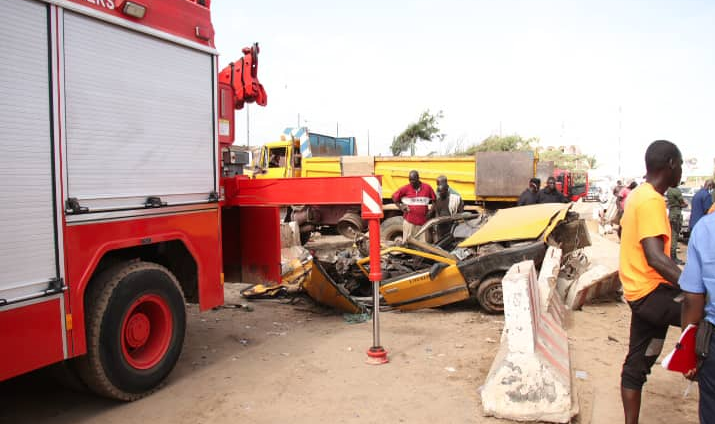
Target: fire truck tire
(135, 325)
(391, 229)
(490, 295)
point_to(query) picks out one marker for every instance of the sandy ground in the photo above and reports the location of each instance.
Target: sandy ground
(300, 363)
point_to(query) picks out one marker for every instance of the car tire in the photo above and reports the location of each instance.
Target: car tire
(489, 294)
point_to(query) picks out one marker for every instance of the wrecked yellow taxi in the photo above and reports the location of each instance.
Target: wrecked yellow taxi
(422, 275)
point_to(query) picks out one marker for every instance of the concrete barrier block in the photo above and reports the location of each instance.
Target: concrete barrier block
(551, 301)
(597, 282)
(530, 378)
(527, 390)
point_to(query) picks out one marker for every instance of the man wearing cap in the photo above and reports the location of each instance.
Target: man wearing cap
(528, 197)
(448, 203)
(413, 200)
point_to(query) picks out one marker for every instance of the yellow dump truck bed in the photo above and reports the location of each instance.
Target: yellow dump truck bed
(460, 170)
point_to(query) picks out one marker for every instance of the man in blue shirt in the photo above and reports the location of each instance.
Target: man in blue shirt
(698, 283)
(701, 203)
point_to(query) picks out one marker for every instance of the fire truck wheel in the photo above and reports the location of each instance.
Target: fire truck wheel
(490, 295)
(136, 320)
(391, 229)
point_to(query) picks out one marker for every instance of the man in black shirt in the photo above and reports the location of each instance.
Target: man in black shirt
(549, 194)
(528, 197)
(448, 203)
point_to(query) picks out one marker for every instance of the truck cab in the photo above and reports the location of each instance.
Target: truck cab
(283, 159)
(279, 159)
(573, 184)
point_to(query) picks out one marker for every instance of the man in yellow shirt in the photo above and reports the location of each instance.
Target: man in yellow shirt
(648, 274)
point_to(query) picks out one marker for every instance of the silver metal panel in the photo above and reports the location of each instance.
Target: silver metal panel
(32, 301)
(139, 122)
(503, 173)
(544, 170)
(63, 320)
(137, 213)
(27, 233)
(58, 130)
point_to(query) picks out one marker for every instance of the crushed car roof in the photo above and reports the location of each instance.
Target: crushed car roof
(519, 223)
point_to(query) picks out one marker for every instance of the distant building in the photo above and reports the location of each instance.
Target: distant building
(569, 150)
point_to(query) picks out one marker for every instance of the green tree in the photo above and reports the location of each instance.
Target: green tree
(426, 129)
(592, 163)
(567, 160)
(509, 143)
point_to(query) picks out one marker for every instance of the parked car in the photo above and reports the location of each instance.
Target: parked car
(687, 191)
(685, 225)
(594, 194)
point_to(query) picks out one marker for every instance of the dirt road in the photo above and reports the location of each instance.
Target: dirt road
(303, 364)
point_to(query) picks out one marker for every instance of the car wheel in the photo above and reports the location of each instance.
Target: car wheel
(489, 294)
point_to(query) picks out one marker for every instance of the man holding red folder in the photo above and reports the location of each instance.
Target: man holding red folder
(648, 274)
(698, 283)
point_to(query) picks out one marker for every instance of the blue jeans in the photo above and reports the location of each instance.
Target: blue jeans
(706, 381)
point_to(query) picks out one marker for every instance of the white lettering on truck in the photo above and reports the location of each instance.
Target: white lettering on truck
(107, 4)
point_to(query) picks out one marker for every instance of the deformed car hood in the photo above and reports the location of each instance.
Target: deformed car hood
(519, 223)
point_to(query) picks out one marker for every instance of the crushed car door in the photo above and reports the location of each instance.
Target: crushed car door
(441, 285)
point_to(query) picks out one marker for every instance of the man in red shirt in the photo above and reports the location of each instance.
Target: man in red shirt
(413, 200)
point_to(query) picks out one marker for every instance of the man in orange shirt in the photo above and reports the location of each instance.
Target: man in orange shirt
(648, 274)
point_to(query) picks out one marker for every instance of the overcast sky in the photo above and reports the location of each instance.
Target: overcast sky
(557, 70)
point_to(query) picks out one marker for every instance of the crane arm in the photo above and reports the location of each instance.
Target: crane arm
(242, 76)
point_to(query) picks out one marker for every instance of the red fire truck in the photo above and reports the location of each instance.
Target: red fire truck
(121, 195)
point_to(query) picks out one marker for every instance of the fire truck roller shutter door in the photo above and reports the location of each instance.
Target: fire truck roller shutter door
(129, 134)
(27, 229)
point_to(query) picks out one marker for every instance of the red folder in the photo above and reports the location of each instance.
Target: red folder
(682, 358)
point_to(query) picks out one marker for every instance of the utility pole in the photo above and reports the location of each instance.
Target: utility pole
(298, 126)
(620, 121)
(336, 130)
(248, 130)
(368, 142)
